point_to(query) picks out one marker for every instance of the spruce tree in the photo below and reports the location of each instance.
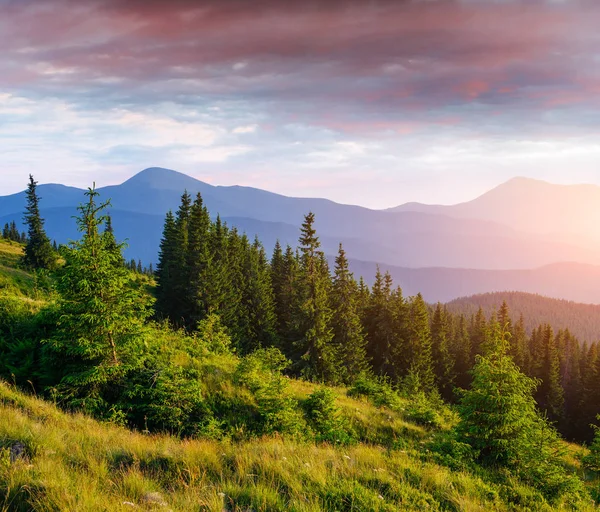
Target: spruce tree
(419, 343)
(478, 333)
(165, 272)
(320, 360)
(518, 345)
(381, 327)
(498, 411)
(100, 312)
(461, 352)
(347, 329)
(38, 251)
(550, 395)
(285, 275)
(395, 322)
(197, 263)
(499, 420)
(258, 300)
(442, 358)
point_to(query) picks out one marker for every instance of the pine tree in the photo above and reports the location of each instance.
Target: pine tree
(217, 274)
(550, 395)
(258, 300)
(101, 314)
(504, 319)
(347, 329)
(285, 275)
(518, 345)
(320, 360)
(14, 234)
(442, 358)
(590, 394)
(478, 333)
(165, 286)
(461, 352)
(395, 322)
(498, 412)
(572, 385)
(419, 343)
(38, 251)
(179, 270)
(197, 263)
(380, 326)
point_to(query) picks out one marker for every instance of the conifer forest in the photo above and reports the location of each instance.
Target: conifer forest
(285, 353)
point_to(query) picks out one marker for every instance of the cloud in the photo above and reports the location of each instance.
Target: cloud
(271, 91)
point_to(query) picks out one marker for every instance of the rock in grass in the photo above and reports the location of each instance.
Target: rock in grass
(17, 452)
(154, 498)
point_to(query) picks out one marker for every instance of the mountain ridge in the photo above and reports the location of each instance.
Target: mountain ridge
(439, 254)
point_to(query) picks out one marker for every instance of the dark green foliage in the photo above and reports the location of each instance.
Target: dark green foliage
(39, 253)
(257, 300)
(550, 394)
(440, 340)
(100, 313)
(165, 270)
(319, 355)
(460, 350)
(197, 262)
(10, 232)
(284, 278)
(419, 344)
(380, 318)
(278, 410)
(347, 328)
(592, 460)
(499, 420)
(325, 418)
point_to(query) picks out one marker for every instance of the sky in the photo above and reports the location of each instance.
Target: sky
(365, 102)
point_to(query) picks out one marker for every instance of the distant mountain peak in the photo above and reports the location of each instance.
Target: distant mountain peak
(165, 179)
(152, 174)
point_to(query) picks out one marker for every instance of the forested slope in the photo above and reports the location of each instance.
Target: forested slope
(270, 363)
(582, 320)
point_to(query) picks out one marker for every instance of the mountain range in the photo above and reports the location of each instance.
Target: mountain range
(511, 238)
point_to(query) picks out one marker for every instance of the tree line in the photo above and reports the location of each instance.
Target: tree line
(94, 348)
(333, 327)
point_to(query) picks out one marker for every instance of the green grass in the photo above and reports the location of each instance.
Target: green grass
(75, 463)
(13, 281)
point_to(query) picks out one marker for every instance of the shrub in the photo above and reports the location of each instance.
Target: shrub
(429, 410)
(326, 419)
(377, 389)
(214, 335)
(260, 372)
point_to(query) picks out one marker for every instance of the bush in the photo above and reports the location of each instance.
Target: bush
(377, 389)
(260, 372)
(592, 460)
(449, 451)
(326, 419)
(214, 335)
(429, 410)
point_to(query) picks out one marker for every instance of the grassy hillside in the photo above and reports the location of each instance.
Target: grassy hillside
(583, 320)
(75, 463)
(261, 449)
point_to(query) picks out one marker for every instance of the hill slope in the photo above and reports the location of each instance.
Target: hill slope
(389, 460)
(76, 463)
(569, 281)
(583, 320)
